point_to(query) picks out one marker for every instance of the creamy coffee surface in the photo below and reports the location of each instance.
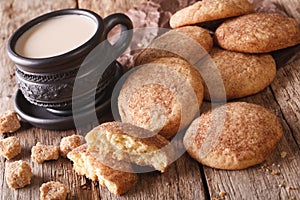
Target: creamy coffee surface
(56, 36)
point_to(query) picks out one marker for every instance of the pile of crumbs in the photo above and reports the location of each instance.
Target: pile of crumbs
(270, 168)
(18, 174)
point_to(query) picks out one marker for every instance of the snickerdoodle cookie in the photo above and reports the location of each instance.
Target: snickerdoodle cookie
(233, 136)
(162, 96)
(190, 43)
(209, 10)
(258, 33)
(242, 74)
(89, 165)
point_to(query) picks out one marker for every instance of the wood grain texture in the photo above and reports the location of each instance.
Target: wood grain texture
(291, 7)
(107, 7)
(185, 179)
(288, 78)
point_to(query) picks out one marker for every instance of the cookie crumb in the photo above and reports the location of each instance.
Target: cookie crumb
(222, 194)
(275, 172)
(69, 143)
(266, 167)
(53, 190)
(283, 154)
(9, 122)
(291, 188)
(10, 147)
(41, 153)
(18, 174)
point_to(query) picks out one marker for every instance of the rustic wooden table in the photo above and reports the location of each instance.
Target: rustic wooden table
(186, 179)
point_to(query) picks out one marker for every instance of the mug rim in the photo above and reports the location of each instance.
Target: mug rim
(34, 64)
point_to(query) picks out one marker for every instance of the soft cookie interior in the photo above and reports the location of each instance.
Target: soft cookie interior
(151, 151)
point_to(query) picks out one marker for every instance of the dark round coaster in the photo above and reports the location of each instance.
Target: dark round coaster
(41, 117)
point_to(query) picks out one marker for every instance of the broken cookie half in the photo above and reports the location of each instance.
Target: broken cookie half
(126, 142)
(86, 164)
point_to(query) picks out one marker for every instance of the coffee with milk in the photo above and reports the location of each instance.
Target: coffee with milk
(56, 36)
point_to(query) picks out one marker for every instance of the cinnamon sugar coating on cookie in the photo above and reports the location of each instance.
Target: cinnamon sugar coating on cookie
(198, 34)
(242, 74)
(190, 43)
(233, 136)
(209, 10)
(258, 33)
(165, 100)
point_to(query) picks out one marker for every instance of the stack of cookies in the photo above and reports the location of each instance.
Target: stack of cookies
(165, 90)
(163, 94)
(242, 43)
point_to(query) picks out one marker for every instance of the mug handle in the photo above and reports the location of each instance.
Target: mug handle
(125, 36)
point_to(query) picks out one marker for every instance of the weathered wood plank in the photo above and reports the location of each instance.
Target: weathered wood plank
(107, 7)
(288, 97)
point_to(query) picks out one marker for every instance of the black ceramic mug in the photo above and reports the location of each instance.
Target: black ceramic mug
(46, 74)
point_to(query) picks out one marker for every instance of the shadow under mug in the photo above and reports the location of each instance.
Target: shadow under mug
(48, 81)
